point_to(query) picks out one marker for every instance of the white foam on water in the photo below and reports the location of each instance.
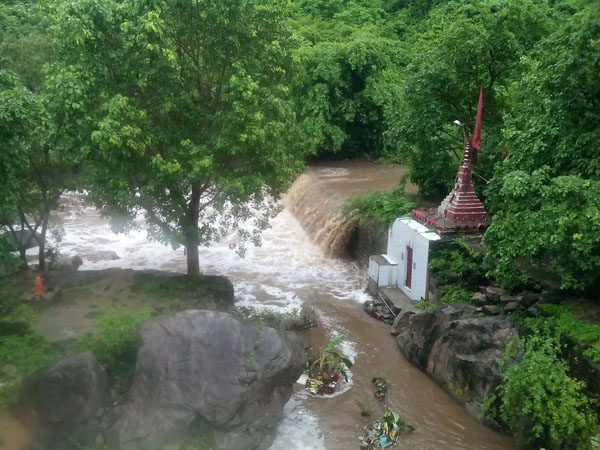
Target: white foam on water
(287, 263)
(279, 275)
(299, 430)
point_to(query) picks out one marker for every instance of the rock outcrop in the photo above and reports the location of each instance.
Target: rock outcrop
(458, 349)
(64, 397)
(206, 374)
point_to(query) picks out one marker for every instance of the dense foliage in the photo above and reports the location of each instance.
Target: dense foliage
(381, 207)
(184, 109)
(540, 403)
(200, 113)
(549, 222)
(116, 345)
(458, 270)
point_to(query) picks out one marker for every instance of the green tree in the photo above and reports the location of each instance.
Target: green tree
(24, 42)
(545, 221)
(461, 46)
(34, 168)
(550, 216)
(540, 403)
(184, 110)
(339, 85)
(554, 119)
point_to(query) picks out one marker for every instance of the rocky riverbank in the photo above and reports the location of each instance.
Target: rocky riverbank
(200, 376)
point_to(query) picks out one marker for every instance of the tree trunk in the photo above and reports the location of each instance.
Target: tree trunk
(23, 257)
(20, 244)
(192, 239)
(42, 241)
(193, 259)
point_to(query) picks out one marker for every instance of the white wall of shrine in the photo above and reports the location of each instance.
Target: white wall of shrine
(402, 235)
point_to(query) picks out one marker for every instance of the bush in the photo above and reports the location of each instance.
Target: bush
(455, 295)
(296, 320)
(587, 334)
(457, 262)
(116, 345)
(379, 206)
(26, 353)
(9, 263)
(540, 403)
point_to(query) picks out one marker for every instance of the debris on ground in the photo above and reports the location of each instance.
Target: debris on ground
(385, 432)
(325, 371)
(381, 387)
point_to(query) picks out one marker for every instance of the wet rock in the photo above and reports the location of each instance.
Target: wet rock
(494, 293)
(492, 309)
(52, 295)
(461, 352)
(369, 307)
(102, 255)
(203, 292)
(512, 306)
(63, 397)
(479, 299)
(401, 322)
(506, 299)
(76, 262)
(534, 310)
(206, 373)
(25, 237)
(529, 299)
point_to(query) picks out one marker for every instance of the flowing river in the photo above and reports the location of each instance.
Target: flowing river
(291, 269)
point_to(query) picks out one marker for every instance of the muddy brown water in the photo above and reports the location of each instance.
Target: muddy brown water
(440, 423)
(290, 269)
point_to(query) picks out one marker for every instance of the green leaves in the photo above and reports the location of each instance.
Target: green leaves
(540, 403)
(185, 108)
(551, 222)
(338, 81)
(116, 345)
(458, 48)
(554, 117)
(379, 206)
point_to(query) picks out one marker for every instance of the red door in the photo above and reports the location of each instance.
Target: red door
(409, 264)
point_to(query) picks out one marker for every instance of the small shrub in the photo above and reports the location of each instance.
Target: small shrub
(379, 206)
(424, 305)
(587, 334)
(328, 367)
(116, 345)
(381, 387)
(455, 295)
(365, 407)
(26, 353)
(540, 403)
(296, 320)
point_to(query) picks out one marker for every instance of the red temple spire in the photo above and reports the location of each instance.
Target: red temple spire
(477, 133)
(461, 210)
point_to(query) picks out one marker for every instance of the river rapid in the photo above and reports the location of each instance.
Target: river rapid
(290, 269)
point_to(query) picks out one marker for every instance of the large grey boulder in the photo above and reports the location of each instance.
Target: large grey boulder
(205, 373)
(63, 397)
(459, 349)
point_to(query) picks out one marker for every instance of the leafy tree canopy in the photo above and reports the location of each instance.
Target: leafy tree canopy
(24, 42)
(340, 85)
(34, 169)
(555, 109)
(184, 108)
(461, 46)
(545, 221)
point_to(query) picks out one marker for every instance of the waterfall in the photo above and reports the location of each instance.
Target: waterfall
(317, 198)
